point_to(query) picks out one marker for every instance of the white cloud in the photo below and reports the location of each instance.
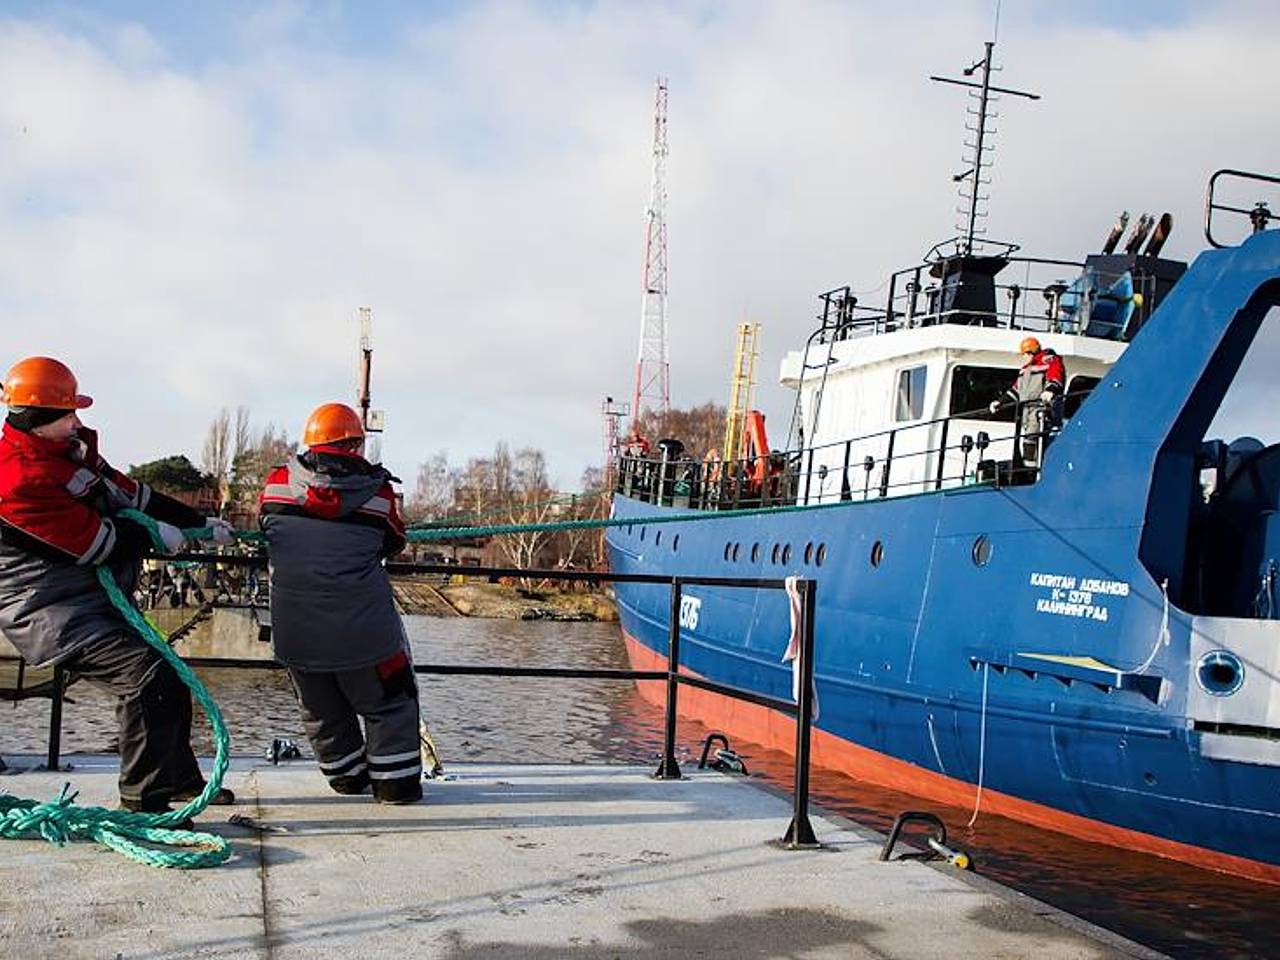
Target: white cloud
(197, 235)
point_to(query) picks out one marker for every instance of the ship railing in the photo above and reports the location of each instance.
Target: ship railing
(799, 833)
(920, 457)
(1045, 299)
(1260, 215)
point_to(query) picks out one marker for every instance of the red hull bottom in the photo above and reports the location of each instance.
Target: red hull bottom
(777, 731)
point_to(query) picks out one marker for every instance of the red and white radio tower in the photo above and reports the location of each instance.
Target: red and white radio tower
(652, 388)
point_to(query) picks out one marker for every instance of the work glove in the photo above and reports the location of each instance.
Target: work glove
(993, 406)
(171, 536)
(1047, 397)
(221, 532)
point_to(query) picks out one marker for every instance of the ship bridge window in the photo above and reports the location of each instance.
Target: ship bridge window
(1077, 389)
(973, 389)
(910, 396)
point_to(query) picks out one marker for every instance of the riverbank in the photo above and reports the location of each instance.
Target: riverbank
(428, 596)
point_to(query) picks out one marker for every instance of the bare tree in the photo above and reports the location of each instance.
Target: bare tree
(240, 436)
(700, 429)
(436, 489)
(216, 457)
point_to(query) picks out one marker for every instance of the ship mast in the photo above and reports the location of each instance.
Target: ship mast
(973, 178)
(652, 385)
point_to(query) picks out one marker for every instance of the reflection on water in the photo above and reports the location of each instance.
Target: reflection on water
(1172, 907)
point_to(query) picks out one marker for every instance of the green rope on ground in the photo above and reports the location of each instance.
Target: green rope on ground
(139, 836)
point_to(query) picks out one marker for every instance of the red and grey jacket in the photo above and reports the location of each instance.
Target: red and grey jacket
(331, 518)
(1043, 371)
(58, 506)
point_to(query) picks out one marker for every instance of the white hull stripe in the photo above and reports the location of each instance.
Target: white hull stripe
(414, 771)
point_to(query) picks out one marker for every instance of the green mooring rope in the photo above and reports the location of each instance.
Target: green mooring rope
(126, 832)
(420, 535)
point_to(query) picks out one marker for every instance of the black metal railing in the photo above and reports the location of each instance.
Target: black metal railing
(799, 833)
(1260, 214)
(945, 453)
(1042, 300)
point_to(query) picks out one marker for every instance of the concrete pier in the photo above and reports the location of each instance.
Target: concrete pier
(511, 861)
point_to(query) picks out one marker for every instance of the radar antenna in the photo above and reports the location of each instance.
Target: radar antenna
(972, 179)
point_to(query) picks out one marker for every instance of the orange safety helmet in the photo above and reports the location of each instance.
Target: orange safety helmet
(43, 382)
(331, 422)
(1029, 345)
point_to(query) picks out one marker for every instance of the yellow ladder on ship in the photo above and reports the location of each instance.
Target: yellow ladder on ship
(741, 388)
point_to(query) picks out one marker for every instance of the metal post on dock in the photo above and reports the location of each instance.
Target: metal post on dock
(668, 768)
(800, 835)
(53, 759)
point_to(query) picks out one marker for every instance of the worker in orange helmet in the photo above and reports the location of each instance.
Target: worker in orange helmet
(331, 518)
(1037, 393)
(60, 505)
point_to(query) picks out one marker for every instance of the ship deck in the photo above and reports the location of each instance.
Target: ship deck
(511, 861)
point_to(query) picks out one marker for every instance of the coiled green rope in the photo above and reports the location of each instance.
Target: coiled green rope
(140, 836)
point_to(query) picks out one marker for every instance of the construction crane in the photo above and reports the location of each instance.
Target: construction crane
(652, 368)
(373, 420)
(741, 388)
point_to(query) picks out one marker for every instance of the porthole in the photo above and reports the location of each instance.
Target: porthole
(630, 531)
(736, 546)
(808, 553)
(981, 551)
(877, 553)
(642, 530)
(821, 556)
(773, 557)
(755, 553)
(675, 542)
(657, 539)
(726, 551)
(1220, 673)
(786, 555)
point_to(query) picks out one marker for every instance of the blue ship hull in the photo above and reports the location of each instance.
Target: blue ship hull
(1094, 720)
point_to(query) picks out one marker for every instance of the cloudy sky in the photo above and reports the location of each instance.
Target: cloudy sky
(198, 197)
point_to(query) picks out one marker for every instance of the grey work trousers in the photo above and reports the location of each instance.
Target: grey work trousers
(153, 711)
(333, 704)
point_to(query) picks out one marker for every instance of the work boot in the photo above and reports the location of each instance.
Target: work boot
(399, 790)
(223, 798)
(350, 786)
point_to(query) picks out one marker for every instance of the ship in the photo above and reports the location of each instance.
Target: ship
(1075, 624)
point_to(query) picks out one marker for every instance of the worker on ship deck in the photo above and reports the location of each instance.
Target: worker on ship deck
(60, 505)
(331, 518)
(1038, 391)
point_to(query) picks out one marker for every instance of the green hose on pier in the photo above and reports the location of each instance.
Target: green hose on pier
(149, 838)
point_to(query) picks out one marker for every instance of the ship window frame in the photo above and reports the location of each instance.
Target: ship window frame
(755, 552)
(1077, 393)
(820, 557)
(963, 397)
(774, 556)
(786, 554)
(808, 553)
(736, 547)
(675, 543)
(877, 554)
(908, 396)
